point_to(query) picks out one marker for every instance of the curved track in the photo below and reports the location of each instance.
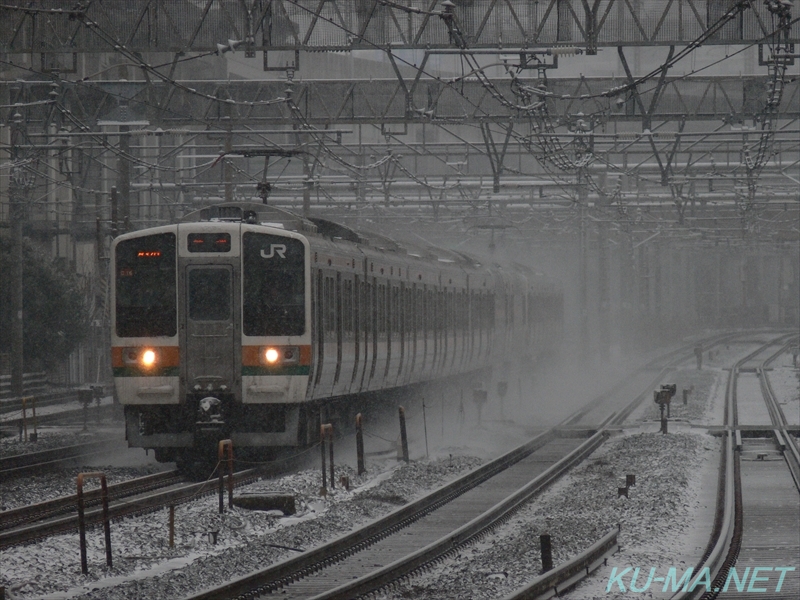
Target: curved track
(431, 527)
(766, 503)
(726, 539)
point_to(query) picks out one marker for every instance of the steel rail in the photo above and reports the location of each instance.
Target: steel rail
(785, 441)
(668, 358)
(145, 504)
(25, 464)
(563, 577)
(11, 405)
(566, 575)
(501, 512)
(284, 572)
(68, 415)
(277, 575)
(476, 528)
(123, 508)
(725, 539)
(31, 513)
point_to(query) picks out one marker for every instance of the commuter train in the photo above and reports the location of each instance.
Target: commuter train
(250, 323)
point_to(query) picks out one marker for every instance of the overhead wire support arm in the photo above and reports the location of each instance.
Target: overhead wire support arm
(711, 31)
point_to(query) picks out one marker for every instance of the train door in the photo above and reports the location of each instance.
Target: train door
(401, 311)
(357, 294)
(427, 319)
(411, 329)
(337, 324)
(373, 317)
(210, 357)
(320, 329)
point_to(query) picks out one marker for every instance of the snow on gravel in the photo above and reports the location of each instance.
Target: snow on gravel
(39, 487)
(702, 382)
(579, 510)
(145, 567)
(52, 438)
(785, 381)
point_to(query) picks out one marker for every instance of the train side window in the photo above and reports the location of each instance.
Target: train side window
(408, 309)
(339, 305)
(369, 307)
(330, 305)
(381, 308)
(396, 309)
(347, 305)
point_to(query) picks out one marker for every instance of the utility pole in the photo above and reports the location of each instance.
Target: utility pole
(124, 178)
(306, 184)
(605, 303)
(227, 166)
(583, 194)
(16, 215)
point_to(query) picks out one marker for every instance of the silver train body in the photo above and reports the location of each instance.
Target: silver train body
(244, 322)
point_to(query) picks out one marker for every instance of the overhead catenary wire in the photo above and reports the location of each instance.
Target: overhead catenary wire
(350, 166)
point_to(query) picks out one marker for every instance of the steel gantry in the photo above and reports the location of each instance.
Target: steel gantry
(516, 123)
(185, 26)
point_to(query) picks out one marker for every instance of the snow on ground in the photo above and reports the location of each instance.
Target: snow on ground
(785, 381)
(55, 437)
(51, 409)
(655, 520)
(39, 487)
(145, 567)
(702, 383)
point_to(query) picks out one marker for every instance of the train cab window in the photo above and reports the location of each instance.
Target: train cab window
(209, 294)
(274, 285)
(146, 288)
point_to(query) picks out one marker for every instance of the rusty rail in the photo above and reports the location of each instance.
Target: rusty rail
(31, 513)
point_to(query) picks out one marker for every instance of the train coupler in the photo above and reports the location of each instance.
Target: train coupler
(209, 414)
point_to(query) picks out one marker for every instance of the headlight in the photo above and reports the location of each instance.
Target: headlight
(148, 358)
(271, 355)
(280, 355)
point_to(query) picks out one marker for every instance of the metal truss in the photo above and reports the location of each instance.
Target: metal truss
(732, 99)
(185, 26)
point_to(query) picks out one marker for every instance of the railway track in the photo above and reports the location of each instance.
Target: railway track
(126, 507)
(726, 540)
(56, 408)
(134, 497)
(428, 529)
(32, 513)
(33, 462)
(14, 405)
(763, 500)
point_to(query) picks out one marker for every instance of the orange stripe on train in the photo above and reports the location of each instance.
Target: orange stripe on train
(170, 356)
(251, 356)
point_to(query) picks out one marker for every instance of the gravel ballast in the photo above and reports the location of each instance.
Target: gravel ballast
(579, 510)
(36, 488)
(145, 567)
(48, 439)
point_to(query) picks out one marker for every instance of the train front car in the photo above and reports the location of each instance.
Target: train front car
(210, 335)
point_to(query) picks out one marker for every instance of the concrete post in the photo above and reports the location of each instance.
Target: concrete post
(360, 445)
(403, 435)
